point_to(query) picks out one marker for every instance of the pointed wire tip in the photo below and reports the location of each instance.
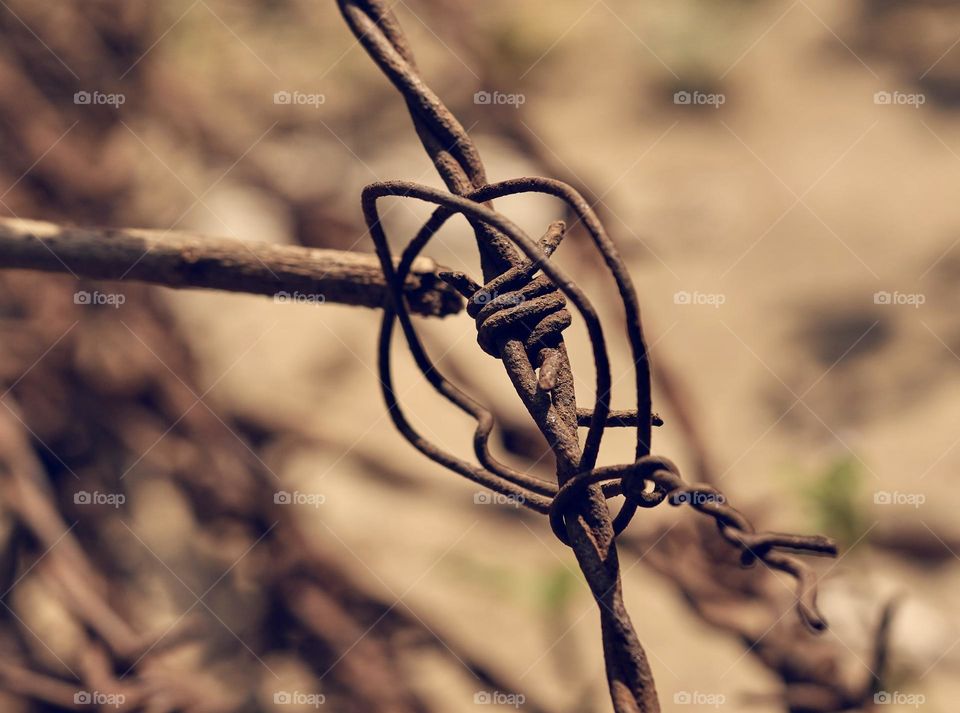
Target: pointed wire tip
(550, 240)
(547, 379)
(459, 281)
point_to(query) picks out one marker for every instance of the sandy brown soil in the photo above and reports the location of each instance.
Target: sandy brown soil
(791, 205)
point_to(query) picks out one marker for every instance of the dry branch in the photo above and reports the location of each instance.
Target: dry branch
(189, 260)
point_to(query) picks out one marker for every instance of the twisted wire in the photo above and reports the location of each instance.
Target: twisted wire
(522, 304)
(653, 479)
(517, 304)
(644, 484)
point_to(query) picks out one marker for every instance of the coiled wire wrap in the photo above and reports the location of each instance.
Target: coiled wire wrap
(517, 304)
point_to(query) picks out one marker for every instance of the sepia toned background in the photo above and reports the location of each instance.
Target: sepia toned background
(780, 178)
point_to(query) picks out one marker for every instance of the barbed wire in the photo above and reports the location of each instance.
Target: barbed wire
(521, 312)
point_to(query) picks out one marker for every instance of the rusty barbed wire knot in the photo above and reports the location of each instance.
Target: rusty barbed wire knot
(517, 304)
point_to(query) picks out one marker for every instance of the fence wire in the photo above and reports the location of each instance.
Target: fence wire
(520, 309)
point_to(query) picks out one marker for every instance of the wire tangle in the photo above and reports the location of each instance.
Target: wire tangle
(510, 303)
(521, 308)
(647, 482)
(652, 480)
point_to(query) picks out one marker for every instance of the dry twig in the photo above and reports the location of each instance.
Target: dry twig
(189, 260)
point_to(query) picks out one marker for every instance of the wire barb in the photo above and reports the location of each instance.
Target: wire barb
(522, 304)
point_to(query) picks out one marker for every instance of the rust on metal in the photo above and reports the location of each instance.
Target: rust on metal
(521, 309)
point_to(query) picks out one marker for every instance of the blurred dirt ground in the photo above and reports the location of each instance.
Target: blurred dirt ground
(759, 234)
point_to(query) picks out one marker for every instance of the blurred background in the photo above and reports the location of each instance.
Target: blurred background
(779, 177)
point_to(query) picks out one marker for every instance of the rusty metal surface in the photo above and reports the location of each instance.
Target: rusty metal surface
(521, 311)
